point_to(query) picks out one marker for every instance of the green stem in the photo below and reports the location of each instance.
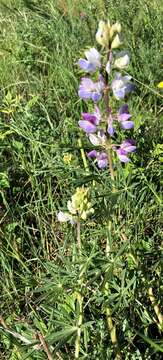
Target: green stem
(78, 236)
(110, 324)
(83, 155)
(79, 324)
(79, 297)
(110, 161)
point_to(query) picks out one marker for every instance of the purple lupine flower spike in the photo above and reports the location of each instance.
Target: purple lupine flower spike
(93, 61)
(124, 116)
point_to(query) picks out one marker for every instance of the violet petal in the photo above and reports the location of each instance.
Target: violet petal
(96, 96)
(102, 160)
(126, 125)
(122, 155)
(87, 126)
(92, 154)
(86, 65)
(124, 116)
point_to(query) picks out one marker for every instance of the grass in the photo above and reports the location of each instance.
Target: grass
(40, 44)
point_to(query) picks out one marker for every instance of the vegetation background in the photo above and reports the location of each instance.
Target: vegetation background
(40, 43)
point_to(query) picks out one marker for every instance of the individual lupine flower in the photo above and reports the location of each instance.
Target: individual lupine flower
(90, 121)
(121, 86)
(122, 60)
(99, 139)
(91, 90)
(124, 116)
(79, 207)
(126, 147)
(110, 128)
(101, 157)
(93, 61)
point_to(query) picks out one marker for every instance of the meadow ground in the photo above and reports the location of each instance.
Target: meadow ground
(40, 44)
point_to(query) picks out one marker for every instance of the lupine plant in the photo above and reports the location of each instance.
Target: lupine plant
(102, 126)
(107, 125)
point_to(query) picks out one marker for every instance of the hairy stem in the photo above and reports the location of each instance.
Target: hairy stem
(78, 236)
(110, 324)
(110, 162)
(107, 110)
(79, 324)
(79, 298)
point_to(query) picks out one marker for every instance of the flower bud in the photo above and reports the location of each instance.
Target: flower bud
(102, 35)
(116, 42)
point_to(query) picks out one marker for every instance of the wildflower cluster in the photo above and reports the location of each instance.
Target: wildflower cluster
(101, 124)
(79, 207)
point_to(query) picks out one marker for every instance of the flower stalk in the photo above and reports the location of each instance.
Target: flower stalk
(107, 110)
(79, 324)
(110, 324)
(110, 162)
(79, 297)
(78, 236)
